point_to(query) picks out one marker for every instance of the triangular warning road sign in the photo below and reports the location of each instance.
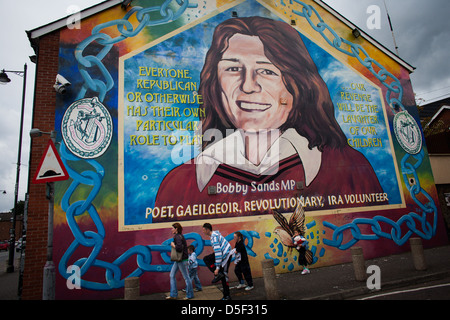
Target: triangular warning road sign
(51, 167)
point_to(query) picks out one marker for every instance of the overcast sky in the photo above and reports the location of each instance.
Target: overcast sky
(421, 29)
(422, 33)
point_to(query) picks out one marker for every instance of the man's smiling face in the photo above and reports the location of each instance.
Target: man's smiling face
(253, 93)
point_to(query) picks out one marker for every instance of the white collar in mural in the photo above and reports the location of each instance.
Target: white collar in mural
(230, 151)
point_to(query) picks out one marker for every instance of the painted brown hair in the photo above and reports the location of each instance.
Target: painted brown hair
(312, 115)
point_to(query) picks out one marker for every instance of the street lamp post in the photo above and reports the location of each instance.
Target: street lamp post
(4, 78)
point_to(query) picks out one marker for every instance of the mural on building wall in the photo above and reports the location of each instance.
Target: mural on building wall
(226, 113)
(261, 129)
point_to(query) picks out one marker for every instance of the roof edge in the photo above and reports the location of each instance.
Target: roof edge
(366, 36)
(61, 23)
(444, 107)
(34, 34)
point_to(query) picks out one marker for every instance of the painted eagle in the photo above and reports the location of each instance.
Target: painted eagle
(286, 229)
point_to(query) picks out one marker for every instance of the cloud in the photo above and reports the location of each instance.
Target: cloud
(421, 33)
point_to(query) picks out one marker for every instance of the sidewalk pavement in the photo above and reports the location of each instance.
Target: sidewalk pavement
(326, 283)
(9, 282)
(336, 282)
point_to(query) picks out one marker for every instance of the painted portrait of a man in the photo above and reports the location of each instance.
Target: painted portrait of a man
(269, 127)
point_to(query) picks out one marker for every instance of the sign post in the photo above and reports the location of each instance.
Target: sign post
(48, 287)
(50, 169)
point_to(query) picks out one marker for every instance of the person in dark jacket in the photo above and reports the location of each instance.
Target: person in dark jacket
(242, 264)
(180, 245)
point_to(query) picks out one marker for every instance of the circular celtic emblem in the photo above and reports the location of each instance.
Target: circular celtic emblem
(407, 132)
(87, 128)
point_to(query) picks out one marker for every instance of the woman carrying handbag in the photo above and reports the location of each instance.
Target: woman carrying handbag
(179, 256)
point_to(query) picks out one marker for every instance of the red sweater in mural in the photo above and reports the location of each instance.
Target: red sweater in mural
(345, 179)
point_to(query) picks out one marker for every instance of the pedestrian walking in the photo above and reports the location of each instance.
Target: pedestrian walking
(300, 242)
(180, 246)
(193, 265)
(219, 261)
(242, 267)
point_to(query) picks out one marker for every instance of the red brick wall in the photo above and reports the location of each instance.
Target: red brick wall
(5, 226)
(44, 119)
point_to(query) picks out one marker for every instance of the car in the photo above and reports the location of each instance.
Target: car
(4, 245)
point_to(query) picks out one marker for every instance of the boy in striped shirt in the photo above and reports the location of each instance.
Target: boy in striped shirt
(219, 261)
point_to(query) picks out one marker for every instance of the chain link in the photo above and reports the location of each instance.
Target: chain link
(356, 51)
(100, 87)
(394, 97)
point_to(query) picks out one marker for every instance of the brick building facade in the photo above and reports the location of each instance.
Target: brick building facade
(47, 50)
(5, 226)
